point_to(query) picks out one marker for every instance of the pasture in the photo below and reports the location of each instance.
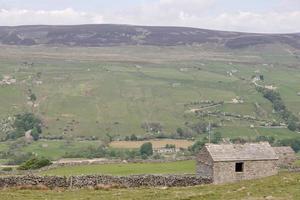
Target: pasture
(282, 186)
(51, 149)
(178, 167)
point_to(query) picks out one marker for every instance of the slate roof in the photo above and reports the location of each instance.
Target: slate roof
(241, 152)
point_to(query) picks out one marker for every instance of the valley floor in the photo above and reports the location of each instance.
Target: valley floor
(284, 186)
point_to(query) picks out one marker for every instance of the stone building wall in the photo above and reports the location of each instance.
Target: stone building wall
(204, 165)
(224, 172)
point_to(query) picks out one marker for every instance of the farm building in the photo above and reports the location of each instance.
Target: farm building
(286, 156)
(165, 150)
(235, 162)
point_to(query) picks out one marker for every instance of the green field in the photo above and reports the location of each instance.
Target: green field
(234, 132)
(282, 187)
(52, 149)
(180, 167)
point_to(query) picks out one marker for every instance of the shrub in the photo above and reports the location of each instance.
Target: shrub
(146, 149)
(34, 163)
(292, 126)
(263, 138)
(7, 169)
(170, 146)
(217, 137)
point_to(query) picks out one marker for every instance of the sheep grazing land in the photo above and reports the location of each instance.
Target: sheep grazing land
(179, 167)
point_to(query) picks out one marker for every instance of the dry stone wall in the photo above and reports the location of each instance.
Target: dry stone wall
(93, 181)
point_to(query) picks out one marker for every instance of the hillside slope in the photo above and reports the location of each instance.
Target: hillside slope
(115, 35)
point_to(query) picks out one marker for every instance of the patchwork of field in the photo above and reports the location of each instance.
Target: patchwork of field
(178, 167)
(156, 144)
(50, 149)
(281, 187)
(95, 92)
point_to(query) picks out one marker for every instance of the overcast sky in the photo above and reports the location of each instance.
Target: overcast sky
(267, 16)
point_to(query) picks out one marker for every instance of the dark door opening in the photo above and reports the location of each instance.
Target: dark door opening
(239, 167)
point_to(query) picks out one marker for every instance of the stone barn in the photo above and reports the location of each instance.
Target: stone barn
(286, 155)
(227, 163)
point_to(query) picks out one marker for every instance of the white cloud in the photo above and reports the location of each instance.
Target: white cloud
(271, 22)
(55, 17)
(199, 13)
(289, 4)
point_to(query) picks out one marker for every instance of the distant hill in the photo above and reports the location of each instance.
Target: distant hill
(116, 35)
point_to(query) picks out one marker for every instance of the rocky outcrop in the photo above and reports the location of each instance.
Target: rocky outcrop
(95, 180)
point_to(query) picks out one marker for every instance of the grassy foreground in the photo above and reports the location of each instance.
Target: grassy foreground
(179, 167)
(282, 187)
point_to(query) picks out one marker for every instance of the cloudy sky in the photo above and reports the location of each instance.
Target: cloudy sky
(267, 16)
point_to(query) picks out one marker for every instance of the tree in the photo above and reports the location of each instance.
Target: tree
(26, 122)
(292, 125)
(133, 137)
(261, 77)
(146, 149)
(197, 146)
(179, 132)
(217, 138)
(200, 127)
(32, 97)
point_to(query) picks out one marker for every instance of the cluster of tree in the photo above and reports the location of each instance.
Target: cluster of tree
(35, 163)
(102, 151)
(133, 137)
(294, 143)
(198, 145)
(170, 146)
(263, 138)
(15, 158)
(279, 106)
(199, 127)
(23, 123)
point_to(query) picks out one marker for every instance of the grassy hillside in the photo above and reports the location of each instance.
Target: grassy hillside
(95, 91)
(283, 186)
